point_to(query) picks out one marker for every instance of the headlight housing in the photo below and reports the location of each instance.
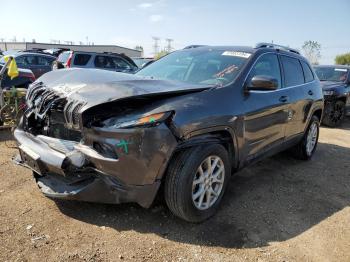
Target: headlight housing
(145, 120)
(328, 92)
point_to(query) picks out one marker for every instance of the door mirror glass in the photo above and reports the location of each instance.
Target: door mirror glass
(263, 83)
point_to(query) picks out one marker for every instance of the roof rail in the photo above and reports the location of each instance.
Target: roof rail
(277, 47)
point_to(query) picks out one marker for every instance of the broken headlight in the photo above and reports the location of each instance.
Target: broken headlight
(148, 120)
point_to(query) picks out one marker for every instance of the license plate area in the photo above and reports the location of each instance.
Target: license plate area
(31, 159)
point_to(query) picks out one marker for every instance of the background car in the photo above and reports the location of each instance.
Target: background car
(55, 51)
(335, 81)
(37, 62)
(142, 61)
(24, 79)
(107, 61)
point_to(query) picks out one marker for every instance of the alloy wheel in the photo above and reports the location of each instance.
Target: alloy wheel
(208, 182)
(311, 139)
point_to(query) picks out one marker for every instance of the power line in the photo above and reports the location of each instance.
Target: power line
(156, 44)
(169, 47)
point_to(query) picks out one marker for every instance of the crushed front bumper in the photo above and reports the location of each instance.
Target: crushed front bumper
(72, 170)
(101, 189)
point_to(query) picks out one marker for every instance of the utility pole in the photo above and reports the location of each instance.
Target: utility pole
(169, 47)
(156, 44)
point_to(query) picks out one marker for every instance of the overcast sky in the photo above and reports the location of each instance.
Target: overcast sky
(130, 23)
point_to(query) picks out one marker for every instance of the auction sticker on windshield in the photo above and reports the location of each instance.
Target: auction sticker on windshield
(235, 53)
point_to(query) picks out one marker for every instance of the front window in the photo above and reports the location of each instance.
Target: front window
(267, 65)
(331, 73)
(198, 66)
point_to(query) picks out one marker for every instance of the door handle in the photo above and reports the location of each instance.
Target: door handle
(310, 92)
(283, 99)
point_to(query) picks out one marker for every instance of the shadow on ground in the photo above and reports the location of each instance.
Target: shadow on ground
(274, 200)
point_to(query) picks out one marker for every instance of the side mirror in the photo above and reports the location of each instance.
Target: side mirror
(262, 83)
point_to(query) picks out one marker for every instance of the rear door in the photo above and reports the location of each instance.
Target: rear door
(44, 64)
(29, 62)
(266, 111)
(299, 82)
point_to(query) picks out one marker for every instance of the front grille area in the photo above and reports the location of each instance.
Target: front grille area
(51, 113)
(71, 114)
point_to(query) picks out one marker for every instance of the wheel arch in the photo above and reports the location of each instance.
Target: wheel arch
(318, 112)
(219, 134)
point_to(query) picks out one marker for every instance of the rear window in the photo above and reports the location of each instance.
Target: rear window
(81, 59)
(309, 76)
(293, 73)
(63, 57)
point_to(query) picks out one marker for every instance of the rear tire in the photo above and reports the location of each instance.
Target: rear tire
(334, 114)
(307, 146)
(196, 181)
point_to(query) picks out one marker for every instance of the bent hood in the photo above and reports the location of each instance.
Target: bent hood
(95, 86)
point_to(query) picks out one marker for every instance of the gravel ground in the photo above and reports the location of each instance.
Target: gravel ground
(280, 209)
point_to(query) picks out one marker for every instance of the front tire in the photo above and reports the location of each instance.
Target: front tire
(196, 181)
(307, 146)
(334, 114)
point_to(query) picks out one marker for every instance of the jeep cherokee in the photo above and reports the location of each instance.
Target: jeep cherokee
(185, 122)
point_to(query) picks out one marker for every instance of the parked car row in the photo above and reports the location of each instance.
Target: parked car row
(34, 63)
(184, 123)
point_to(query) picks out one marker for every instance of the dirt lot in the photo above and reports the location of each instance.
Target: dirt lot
(280, 209)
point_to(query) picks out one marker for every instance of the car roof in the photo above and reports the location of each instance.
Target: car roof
(247, 49)
(335, 66)
(31, 53)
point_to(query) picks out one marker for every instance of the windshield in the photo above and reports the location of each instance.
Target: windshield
(331, 73)
(198, 66)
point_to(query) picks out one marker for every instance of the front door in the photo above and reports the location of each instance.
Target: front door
(266, 113)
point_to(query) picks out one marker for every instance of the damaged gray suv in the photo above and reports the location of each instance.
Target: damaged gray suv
(183, 124)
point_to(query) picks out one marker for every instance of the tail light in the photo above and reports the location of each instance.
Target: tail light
(69, 61)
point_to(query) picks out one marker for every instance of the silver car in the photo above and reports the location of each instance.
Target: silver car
(105, 61)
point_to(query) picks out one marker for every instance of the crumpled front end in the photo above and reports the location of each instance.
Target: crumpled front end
(75, 160)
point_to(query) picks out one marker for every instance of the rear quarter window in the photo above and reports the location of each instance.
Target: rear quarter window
(81, 59)
(309, 76)
(293, 72)
(63, 57)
